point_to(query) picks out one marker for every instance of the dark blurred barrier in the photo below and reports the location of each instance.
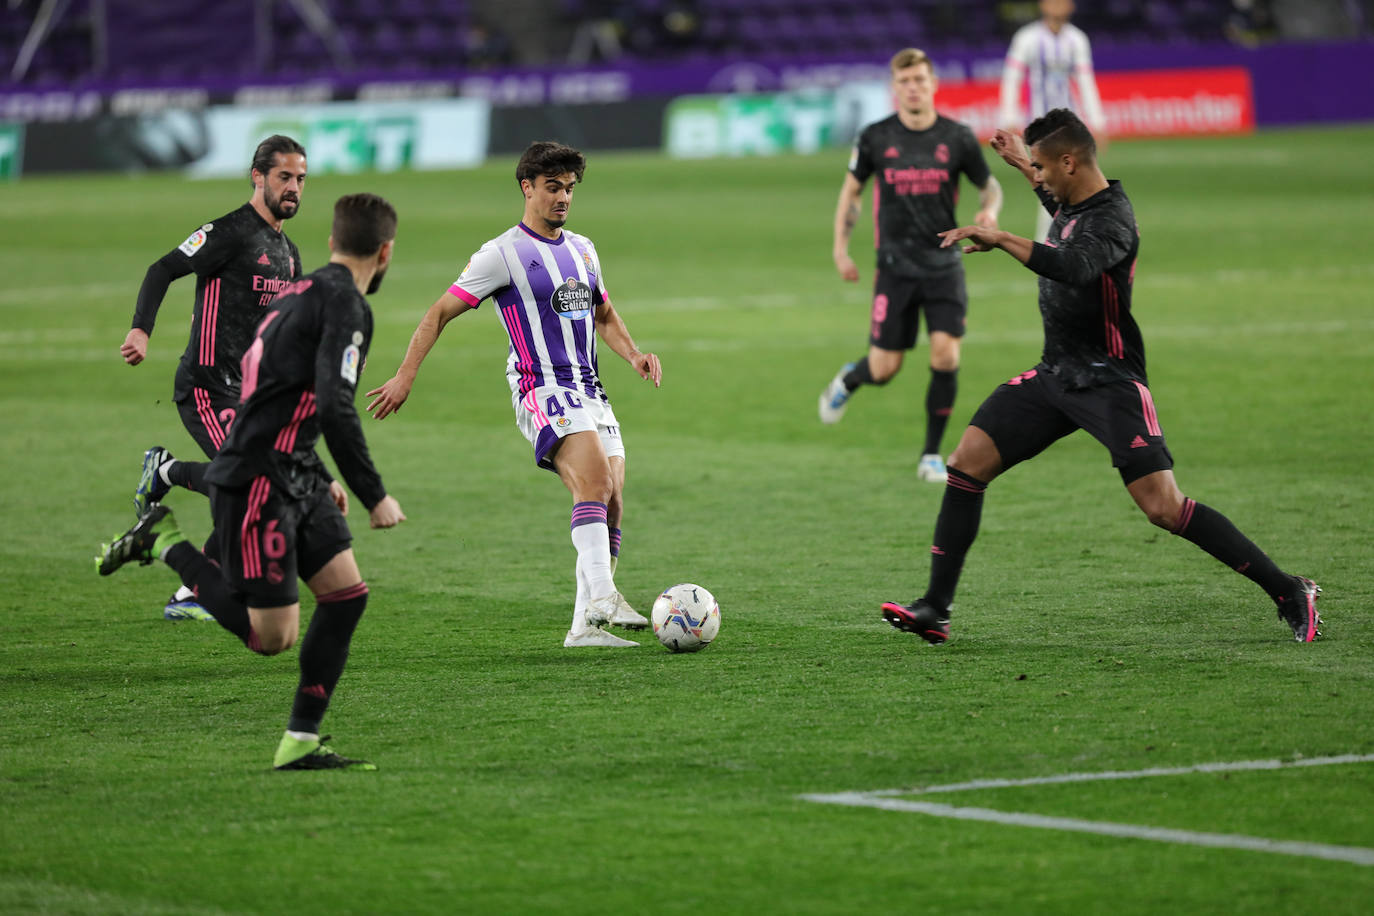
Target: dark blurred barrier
(632, 124)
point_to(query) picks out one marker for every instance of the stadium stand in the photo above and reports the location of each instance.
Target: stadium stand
(50, 43)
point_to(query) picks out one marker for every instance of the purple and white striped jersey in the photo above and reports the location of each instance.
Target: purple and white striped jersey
(1048, 62)
(547, 291)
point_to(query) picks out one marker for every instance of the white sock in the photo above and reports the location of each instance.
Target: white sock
(594, 558)
(591, 536)
(579, 621)
(183, 593)
(302, 736)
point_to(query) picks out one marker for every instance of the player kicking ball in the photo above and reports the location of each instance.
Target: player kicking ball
(278, 513)
(1091, 376)
(548, 287)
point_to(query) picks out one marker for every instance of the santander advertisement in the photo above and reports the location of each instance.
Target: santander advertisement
(1141, 103)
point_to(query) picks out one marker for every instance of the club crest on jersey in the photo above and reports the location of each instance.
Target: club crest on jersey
(352, 356)
(572, 299)
(942, 154)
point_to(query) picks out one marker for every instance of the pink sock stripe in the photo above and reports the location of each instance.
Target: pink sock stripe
(1147, 407)
(589, 513)
(206, 411)
(967, 486)
(1185, 516)
(615, 542)
(343, 594)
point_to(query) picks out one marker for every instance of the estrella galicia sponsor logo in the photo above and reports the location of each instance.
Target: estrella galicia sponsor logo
(572, 299)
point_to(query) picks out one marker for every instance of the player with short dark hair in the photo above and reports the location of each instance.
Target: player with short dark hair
(1091, 376)
(279, 514)
(550, 292)
(915, 157)
(241, 261)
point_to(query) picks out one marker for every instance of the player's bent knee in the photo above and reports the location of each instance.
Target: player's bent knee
(1160, 516)
(275, 643)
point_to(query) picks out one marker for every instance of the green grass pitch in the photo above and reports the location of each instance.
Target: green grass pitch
(517, 776)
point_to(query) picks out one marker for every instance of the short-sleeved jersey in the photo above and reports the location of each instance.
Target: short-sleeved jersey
(300, 375)
(547, 291)
(916, 187)
(1087, 267)
(1048, 63)
(240, 263)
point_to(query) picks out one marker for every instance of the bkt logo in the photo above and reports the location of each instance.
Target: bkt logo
(353, 144)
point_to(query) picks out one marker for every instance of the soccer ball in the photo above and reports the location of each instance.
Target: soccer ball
(686, 618)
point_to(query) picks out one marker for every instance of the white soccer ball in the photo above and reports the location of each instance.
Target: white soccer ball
(686, 618)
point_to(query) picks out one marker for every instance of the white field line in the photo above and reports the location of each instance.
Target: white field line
(885, 800)
(58, 343)
(29, 295)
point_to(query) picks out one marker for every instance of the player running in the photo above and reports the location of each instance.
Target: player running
(548, 286)
(278, 512)
(1091, 376)
(916, 157)
(241, 260)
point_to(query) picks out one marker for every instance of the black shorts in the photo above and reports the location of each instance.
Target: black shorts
(268, 539)
(899, 301)
(1028, 413)
(207, 415)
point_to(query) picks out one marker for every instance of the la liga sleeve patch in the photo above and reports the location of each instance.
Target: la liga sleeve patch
(352, 357)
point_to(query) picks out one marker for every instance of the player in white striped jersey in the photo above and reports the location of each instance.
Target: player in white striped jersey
(1046, 55)
(547, 285)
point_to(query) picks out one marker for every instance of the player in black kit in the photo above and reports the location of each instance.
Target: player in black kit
(915, 157)
(278, 513)
(1091, 376)
(241, 260)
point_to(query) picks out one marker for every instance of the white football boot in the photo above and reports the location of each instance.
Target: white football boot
(592, 637)
(835, 397)
(932, 468)
(626, 616)
(601, 610)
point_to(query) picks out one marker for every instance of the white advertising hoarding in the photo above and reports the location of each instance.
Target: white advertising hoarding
(352, 136)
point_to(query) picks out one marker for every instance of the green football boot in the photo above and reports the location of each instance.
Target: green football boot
(145, 541)
(151, 489)
(295, 754)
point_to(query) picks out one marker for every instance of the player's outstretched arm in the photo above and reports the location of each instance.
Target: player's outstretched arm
(387, 513)
(613, 331)
(388, 398)
(847, 210)
(984, 239)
